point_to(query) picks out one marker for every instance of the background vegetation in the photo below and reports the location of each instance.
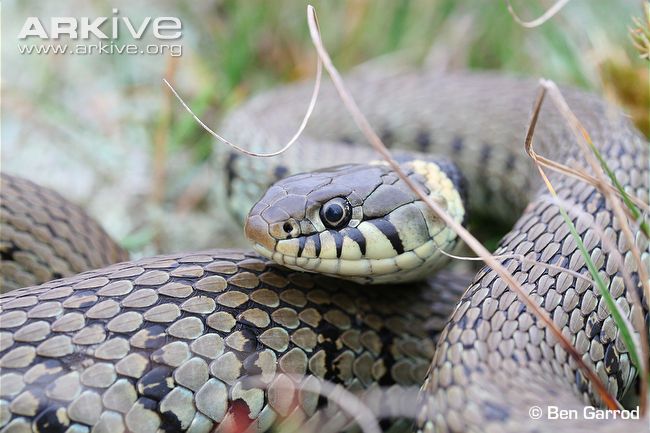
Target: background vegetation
(104, 131)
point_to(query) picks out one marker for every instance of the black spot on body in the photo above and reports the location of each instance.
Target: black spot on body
(42, 401)
(90, 301)
(387, 137)
(246, 329)
(389, 230)
(621, 383)
(156, 384)
(581, 383)
(594, 326)
(521, 309)
(346, 140)
(8, 254)
(280, 172)
(486, 153)
(48, 421)
(519, 357)
(423, 141)
(231, 173)
(155, 337)
(611, 359)
(495, 412)
(46, 378)
(252, 369)
(387, 379)
(457, 145)
(170, 422)
(329, 336)
(147, 403)
(510, 161)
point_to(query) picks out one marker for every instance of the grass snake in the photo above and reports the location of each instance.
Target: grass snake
(166, 343)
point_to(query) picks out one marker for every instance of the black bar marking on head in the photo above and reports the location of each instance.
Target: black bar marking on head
(358, 237)
(338, 241)
(301, 245)
(316, 244)
(389, 230)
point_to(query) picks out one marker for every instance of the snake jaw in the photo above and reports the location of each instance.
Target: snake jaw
(263, 251)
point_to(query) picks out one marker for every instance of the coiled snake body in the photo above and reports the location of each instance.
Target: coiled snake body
(161, 344)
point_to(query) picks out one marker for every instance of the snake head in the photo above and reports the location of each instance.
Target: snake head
(359, 222)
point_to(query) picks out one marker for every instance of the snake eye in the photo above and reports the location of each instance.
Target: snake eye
(335, 213)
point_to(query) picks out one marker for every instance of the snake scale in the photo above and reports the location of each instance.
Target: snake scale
(166, 343)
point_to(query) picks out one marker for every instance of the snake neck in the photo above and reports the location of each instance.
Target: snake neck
(477, 120)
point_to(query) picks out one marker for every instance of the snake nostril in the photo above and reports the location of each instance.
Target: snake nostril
(287, 227)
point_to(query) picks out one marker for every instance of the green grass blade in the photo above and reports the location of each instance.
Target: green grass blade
(634, 210)
(609, 300)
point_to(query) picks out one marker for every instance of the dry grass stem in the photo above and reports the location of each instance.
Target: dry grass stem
(523, 259)
(538, 21)
(301, 128)
(470, 240)
(587, 147)
(586, 177)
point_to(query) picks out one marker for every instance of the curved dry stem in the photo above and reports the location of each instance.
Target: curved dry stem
(584, 140)
(550, 12)
(586, 146)
(465, 235)
(301, 128)
(584, 176)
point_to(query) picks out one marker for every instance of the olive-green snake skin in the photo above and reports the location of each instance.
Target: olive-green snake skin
(166, 343)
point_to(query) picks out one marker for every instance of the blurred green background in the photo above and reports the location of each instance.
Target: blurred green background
(105, 132)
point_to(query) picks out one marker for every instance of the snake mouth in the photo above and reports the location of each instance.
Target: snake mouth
(408, 266)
